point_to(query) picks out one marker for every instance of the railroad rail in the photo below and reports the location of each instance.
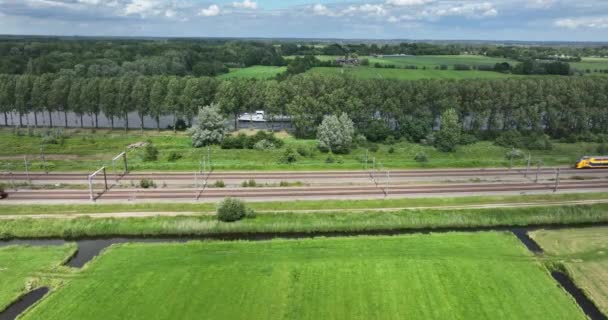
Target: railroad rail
(370, 191)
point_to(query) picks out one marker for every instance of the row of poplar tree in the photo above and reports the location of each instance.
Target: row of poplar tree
(557, 106)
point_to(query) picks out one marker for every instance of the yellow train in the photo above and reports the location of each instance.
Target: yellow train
(592, 162)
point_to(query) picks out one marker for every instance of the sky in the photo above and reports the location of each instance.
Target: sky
(528, 20)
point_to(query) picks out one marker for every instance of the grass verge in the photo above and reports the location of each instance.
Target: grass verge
(305, 223)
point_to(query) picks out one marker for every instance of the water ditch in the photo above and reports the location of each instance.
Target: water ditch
(89, 248)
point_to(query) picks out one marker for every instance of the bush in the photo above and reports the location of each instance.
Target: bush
(289, 156)
(335, 134)
(219, 184)
(514, 154)
(467, 139)
(376, 131)
(208, 127)
(242, 141)
(510, 139)
(249, 184)
(360, 140)
(330, 159)
(174, 156)
(231, 210)
(449, 134)
(264, 145)
(150, 153)
(234, 142)
(373, 147)
(390, 140)
(147, 183)
(305, 151)
(539, 142)
(421, 157)
(391, 150)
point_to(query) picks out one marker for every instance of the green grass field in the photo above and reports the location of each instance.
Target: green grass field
(440, 276)
(436, 61)
(22, 267)
(405, 74)
(254, 72)
(584, 254)
(86, 151)
(285, 222)
(592, 64)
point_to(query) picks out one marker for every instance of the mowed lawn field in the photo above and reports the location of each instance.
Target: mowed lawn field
(591, 64)
(584, 253)
(87, 151)
(437, 276)
(436, 61)
(408, 74)
(254, 72)
(22, 265)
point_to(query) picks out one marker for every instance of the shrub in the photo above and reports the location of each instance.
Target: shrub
(510, 139)
(263, 145)
(514, 154)
(249, 183)
(150, 153)
(219, 184)
(467, 139)
(289, 156)
(234, 142)
(330, 159)
(373, 147)
(360, 140)
(335, 134)
(539, 142)
(391, 150)
(231, 209)
(305, 151)
(208, 127)
(390, 140)
(376, 131)
(174, 156)
(147, 183)
(421, 157)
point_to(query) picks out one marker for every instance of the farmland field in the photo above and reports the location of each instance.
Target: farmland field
(254, 72)
(21, 265)
(437, 276)
(435, 61)
(83, 150)
(584, 253)
(408, 74)
(591, 63)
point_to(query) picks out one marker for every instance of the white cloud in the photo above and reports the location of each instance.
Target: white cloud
(321, 10)
(464, 9)
(404, 3)
(246, 4)
(211, 11)
(583, 22)
(540, 4)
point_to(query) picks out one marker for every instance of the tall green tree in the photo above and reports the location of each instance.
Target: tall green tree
(23, 96)
(230, 98)
(158, 92)
(74, 101)
(7, 95)
(449, 134)
(58, 96)
(108, 97)
(89, 98)
(140, 96)
(123, 100)
(173, 98)
(40, 92)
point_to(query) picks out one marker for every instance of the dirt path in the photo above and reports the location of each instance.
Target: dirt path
(209, 213)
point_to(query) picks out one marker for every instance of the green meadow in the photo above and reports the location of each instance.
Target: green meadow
(254, 72)
(408, 74)
(436, 276)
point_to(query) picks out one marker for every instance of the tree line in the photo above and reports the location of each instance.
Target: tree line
(560, 107)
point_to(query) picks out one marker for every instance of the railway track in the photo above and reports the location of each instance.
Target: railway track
(330, 175)
(369, 191)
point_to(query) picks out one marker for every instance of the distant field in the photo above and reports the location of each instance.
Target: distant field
(437, 276)
(87, 151)
(20, 265)
(584, 252)
(255, 72)
(435, 61)
(406, 74)
(592, 64)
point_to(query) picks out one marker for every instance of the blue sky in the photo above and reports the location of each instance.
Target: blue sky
(534, 20)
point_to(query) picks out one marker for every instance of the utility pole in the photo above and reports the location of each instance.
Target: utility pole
(27, 171)
(556, 180)
(537, 171)
(528, 166)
